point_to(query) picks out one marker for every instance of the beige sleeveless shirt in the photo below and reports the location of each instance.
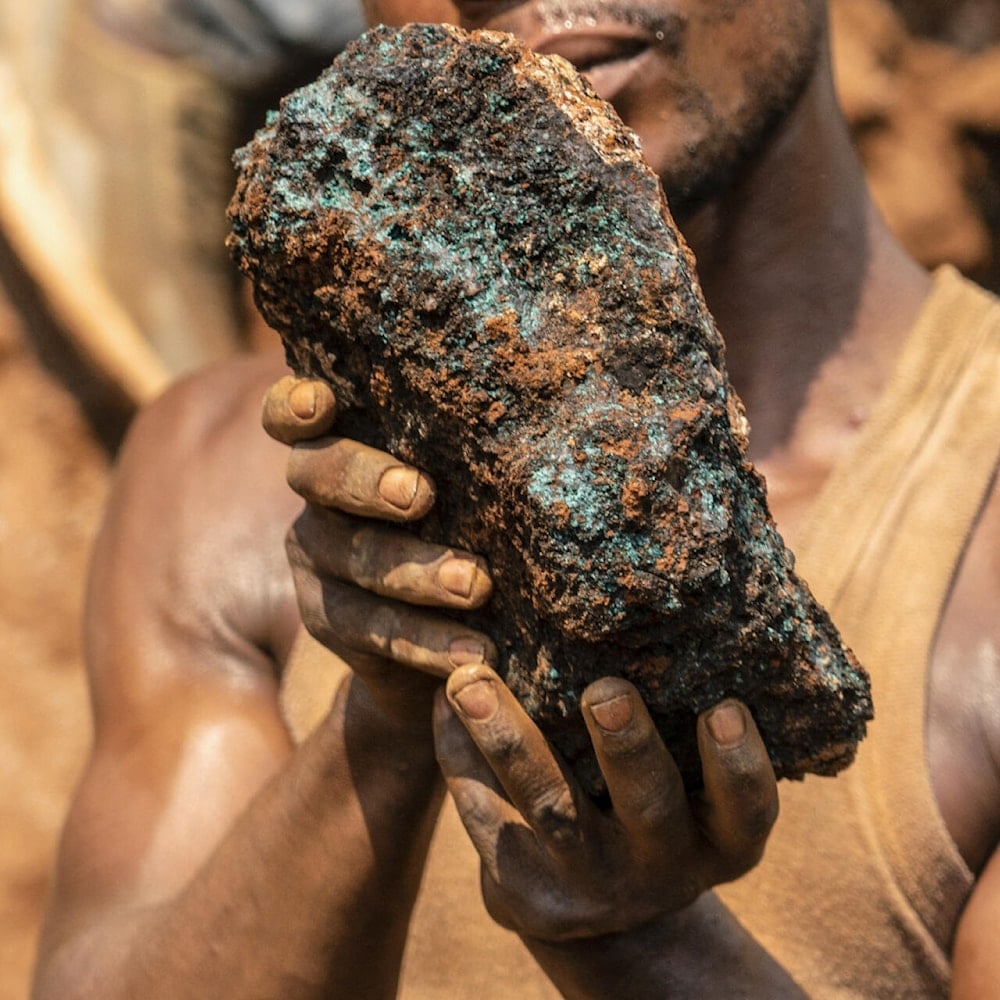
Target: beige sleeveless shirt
(861, 887)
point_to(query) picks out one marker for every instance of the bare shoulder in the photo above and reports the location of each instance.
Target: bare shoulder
(203, 416)
(191, 554)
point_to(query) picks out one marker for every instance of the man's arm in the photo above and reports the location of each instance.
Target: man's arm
(203, 854)
(976, 965)
(305, 893)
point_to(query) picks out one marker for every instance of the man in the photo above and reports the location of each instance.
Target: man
(207, 853)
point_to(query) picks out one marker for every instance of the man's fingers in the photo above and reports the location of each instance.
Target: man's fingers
(345, 618)
(740, 799)
(357, 479)
(479, 797)
(338, 472)
(518, 754)
(298, 409)
(388, 561)
(644, 784)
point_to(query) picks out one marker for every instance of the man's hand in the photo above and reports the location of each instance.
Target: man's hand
(556, 866)
(362, 578)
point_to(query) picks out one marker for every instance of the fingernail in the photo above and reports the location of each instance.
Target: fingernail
(727, 724)
(613, 715)
(302, 400)
(457, 576)
(465, 651)
(398, 486)
(477, 700)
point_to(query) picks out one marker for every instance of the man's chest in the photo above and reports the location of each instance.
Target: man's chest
(963, 709)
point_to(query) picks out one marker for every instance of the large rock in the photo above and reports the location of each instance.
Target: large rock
(466, 241)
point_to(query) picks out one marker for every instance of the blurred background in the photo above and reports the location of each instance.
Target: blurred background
(117, 121)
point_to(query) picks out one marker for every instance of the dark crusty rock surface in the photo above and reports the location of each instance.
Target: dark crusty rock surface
(466, 241)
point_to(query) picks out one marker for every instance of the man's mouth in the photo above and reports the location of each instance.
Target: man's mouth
(609, 55)
(606, 40)
(587, 49)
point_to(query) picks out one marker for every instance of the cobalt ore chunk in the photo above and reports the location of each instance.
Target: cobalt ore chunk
(466, 242)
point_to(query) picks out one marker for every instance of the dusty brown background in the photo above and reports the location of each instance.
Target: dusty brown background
(51, 490)
(920, 81)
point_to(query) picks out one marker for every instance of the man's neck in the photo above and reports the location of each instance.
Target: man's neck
(813, 296)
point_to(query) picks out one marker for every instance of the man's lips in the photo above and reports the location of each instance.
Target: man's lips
(607, 40)
(586, 49)
(609, 56)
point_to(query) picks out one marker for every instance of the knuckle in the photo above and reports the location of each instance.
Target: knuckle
(303, 539)
(553, 815)
(293, 547)
(315, 471)
(749, 781)
(313, 612)
(756, 805)
(383, 631)
(299, 473)
(477, 812)
(274, 415)
(759, 820)
(362, 549)
(411, 641)
(740, 846)
(657, 811)
(504, 745)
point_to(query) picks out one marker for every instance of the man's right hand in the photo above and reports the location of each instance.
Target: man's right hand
(366, 584)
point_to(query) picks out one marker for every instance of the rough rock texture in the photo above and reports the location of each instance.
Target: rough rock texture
(467, 242)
